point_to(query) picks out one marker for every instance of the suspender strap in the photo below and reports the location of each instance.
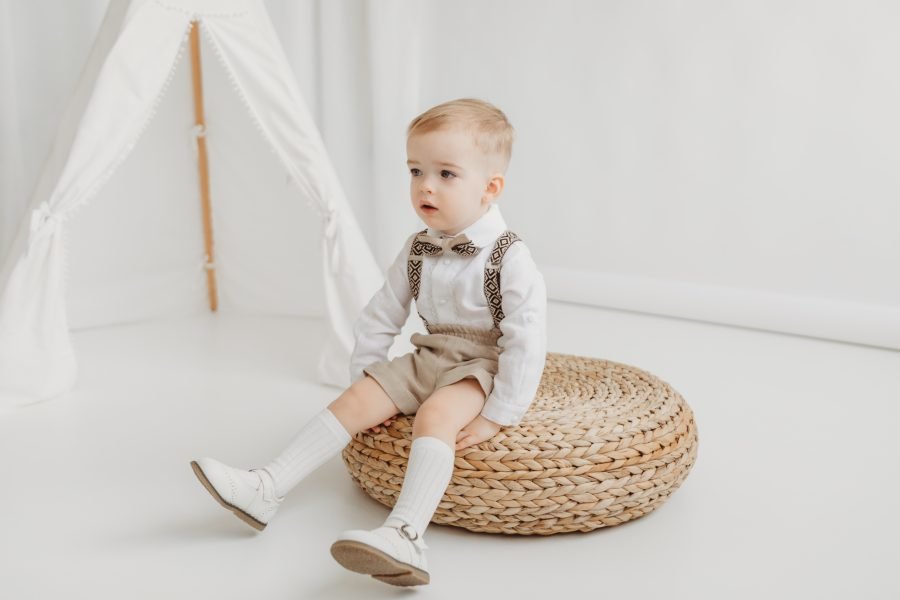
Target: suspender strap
(414, 271)
(492, 275)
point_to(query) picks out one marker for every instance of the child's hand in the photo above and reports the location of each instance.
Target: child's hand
(377, 428)
(479, 430)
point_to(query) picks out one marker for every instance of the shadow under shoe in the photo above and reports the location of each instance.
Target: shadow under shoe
(255, 503)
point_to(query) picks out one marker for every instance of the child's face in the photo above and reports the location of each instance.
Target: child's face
(449, 172)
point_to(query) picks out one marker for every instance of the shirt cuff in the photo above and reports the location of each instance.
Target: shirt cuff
(505, 416)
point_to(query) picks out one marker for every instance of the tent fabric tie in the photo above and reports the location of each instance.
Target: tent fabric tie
(42, 216)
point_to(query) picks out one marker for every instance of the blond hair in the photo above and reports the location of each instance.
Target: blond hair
(491, 129)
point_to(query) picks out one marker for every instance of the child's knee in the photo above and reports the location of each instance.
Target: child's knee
(367, 401)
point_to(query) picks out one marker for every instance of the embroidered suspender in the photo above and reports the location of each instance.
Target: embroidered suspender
(414, 272)
(491, 273)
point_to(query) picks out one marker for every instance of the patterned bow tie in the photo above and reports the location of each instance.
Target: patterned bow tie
(460, 244)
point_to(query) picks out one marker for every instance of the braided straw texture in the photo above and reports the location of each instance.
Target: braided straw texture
(603, 443)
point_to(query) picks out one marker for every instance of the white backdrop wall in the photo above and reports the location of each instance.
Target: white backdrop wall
(718, 160)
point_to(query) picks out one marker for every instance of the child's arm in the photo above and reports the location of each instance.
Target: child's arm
(383, 317)
(524, 340)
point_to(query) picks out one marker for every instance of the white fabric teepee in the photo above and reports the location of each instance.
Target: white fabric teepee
(136, 250)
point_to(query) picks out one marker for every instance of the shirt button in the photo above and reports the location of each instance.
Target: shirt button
(446, 261)
(442, 301)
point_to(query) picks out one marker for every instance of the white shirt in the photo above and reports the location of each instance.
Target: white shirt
(451, 291)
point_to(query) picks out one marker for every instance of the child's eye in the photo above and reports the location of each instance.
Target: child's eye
(414, 172)
(447, 174)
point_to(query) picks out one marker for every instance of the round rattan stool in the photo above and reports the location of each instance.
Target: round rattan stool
(603, 443)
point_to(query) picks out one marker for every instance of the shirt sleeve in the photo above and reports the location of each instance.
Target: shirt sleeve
(524, 341)
(383, 317)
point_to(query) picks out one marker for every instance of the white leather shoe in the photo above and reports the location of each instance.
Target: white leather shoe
(395, 555)
(250, 495)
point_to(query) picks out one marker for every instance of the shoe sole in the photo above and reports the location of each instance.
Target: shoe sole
(362, 558)
(198, 471)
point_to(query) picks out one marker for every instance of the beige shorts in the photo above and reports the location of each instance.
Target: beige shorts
(449, 354)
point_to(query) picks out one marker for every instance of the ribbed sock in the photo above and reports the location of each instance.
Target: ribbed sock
(321, 437)
(428, 472)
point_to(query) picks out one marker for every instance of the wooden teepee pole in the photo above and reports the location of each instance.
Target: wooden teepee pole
(203, 166)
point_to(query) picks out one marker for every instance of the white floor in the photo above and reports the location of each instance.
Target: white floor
(794, 493)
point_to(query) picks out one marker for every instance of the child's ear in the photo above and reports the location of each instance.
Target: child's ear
(494, 187)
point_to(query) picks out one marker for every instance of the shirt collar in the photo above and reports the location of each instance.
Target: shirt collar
(483, 231)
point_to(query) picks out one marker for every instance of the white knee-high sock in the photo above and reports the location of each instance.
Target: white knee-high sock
(428, 472)
(319, 439)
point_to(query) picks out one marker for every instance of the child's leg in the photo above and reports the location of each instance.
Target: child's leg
(362, 405)
(430, 464)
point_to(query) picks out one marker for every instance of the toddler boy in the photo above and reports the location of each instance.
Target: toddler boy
(483, 302)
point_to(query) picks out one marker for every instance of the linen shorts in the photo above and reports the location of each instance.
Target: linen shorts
(446, 355)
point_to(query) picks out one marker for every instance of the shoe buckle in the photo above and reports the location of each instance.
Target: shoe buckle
(413, 537)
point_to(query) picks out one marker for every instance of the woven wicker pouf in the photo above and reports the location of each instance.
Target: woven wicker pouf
(603, 443)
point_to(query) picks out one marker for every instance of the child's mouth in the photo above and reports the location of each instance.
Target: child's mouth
(428, 209)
